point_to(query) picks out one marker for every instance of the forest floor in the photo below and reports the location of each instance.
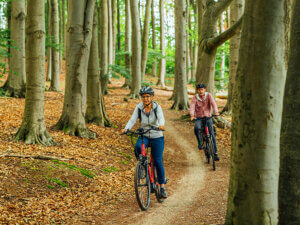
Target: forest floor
(92, 183)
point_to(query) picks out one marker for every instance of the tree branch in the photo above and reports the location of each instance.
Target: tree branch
(220, 39)
(41, 157)
(220, 6)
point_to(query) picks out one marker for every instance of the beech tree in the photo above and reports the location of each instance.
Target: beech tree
(162, 61)
(95, 111)
(33, 128)
(15, 84)
(55, 64)
(136, 50)
(257, 108)
(154, 66)
(209, 41)
(80, 25)
(49, 34)
(236, 11)
(145, 38)
(127, 42)
(289, 179)
(180, 92)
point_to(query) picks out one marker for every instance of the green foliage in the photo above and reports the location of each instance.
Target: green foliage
(4, 54)
(124, 162)
(84, 172)
(218, 69)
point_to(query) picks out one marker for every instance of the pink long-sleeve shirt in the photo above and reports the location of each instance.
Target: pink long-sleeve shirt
(202, 107)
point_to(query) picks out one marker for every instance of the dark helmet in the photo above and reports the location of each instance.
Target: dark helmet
(146, 90)
(200, 85)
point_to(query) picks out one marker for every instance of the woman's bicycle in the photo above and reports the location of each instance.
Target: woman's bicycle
(207, 142)
(145, 178)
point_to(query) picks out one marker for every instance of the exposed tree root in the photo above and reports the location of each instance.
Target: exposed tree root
(12, 92)
(78, 129)
(34, 134)
(54, 89)
(221, 122)
(180, 106)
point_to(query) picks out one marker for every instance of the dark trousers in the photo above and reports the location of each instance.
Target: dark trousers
(200, 126)
(157, 149)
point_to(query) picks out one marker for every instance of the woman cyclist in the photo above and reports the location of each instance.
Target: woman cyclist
(150, 114)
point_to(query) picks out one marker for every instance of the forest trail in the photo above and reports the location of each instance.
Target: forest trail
(179, 138)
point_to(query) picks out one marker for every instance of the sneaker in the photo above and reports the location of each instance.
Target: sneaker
(163, 192)
(217, 157)
(200, 147)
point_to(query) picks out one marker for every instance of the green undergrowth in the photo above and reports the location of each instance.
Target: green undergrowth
(110, 169)
(52, 174)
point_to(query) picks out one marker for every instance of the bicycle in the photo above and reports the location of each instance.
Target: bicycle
(145, 174)
(207, 139)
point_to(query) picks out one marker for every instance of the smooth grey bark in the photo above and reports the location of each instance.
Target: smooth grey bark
(104, 49)
(257, 107)
(209, 41)
(162, 61)
(136, 50)
(154, 66)
(15, 84)
(80, 25)
(145, 38)
(236, 11)
(118, 26)
(33, 128)
(181, 98)
(111, 45)
(289, 179)
(188, 44)
(127, 42)
(222, 65)
(55, 61)
(49, 34)
(63, 40)
(114, 28)
(95, 111)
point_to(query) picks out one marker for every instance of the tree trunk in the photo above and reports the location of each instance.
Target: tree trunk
(63, 29)
(257, 108)
(80, 25)
(181, 98)
(209, 41)
(114, 28)
(55, 65)
(145, 38)
(136, 50)
(104, 50)
(162, 61)
(127, 42)
(95, 111)
(198, 19)
(188, 56)
(33, 129)
(15, 84)
(289, 179)
(236, 11)
(154, 66)
(222, 66)
(49, 35)
(118, 26)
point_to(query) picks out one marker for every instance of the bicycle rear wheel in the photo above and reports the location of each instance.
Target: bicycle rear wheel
(142, 186)
(211, 153)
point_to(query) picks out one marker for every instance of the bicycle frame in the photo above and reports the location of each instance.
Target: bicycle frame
(151, 167)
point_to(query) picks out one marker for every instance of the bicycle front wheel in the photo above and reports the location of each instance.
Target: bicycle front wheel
(211, 153)
(142, 186)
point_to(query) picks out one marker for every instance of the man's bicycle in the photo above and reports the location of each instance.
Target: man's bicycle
(145, 178)
(207, 142)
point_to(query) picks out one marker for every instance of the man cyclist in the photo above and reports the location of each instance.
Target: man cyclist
(150, 114)
(200, 106)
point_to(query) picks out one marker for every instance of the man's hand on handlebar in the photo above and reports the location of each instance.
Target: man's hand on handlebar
(192, 118)
(123, 131)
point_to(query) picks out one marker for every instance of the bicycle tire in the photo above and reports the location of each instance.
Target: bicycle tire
(157, 195)
(212, 154)
(141, 173)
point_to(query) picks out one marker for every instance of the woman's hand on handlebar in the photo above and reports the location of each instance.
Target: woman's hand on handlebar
(161, 127)
(123, 131)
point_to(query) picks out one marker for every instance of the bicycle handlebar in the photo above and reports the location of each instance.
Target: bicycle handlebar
(205, 117)
(141, 131)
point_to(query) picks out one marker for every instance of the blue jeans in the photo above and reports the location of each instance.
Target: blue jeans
(157, 149)
(199, 127)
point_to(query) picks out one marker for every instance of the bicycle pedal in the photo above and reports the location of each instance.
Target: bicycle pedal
(167, 180)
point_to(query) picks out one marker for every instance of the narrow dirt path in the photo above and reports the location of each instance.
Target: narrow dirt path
(191, 181)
